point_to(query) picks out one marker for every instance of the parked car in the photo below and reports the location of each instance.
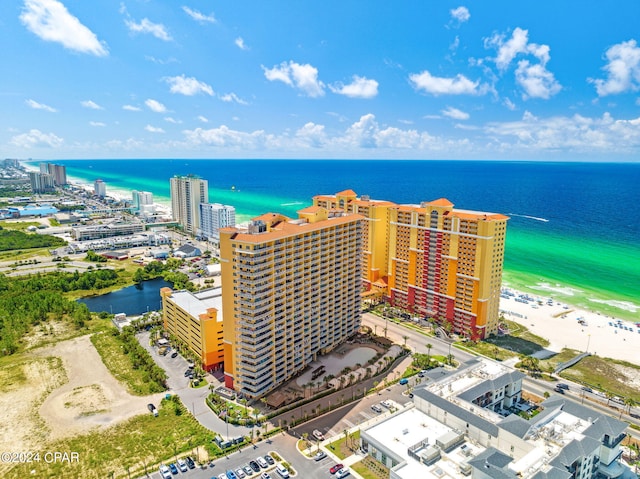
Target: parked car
(262, 463)
(403, 381)
(376, 408)
(182, 465)
(174, 469)
(386, 404)
(165, 472)
(318, 435)
(190, 462)
(265, 476)
(231, 474)
(248, 470)
(343, 473)
(336, 468)
(269, 459)
(254, 465)
(282, 471)
(174, 354)
(320, 456)
(240, 473)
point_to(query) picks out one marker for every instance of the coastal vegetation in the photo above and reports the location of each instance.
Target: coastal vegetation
(14, 239)
(129, 362)
(129, 449)
(168, 272)
(27, 302)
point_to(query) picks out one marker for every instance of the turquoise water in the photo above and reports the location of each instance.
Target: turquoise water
(572, 230)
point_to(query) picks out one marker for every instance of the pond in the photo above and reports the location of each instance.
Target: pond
(132, 300)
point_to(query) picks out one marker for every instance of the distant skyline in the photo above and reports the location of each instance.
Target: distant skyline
(408, 80)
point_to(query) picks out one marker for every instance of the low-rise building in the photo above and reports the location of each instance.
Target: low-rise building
(98, 231)
(464, 424)
(196, 320)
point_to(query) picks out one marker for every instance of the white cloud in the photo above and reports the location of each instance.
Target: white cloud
(303, 77)
(203, 119)
(188, 86)
(360, 87)
(91, 105)
(223, 136)
(509, 104)
(536, 80)
(40, 106)
(170, 119)
(153, 129)
(240, 43)
(460, 14)
(146, 26)
(96, 123)
(36, 139)
(577, 134)
(455, 113)
(155, 105)
(623, 70)
(199, 17)
(312, 135)
(458, 85)
(131, 108)
(232, 97)
(51, 21)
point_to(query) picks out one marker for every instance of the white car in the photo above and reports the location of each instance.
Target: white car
(344, 472)
(262, 463)
(182, 465)
(165, 472)
(240, 473)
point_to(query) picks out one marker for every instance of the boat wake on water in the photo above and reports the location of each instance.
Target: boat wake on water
(544, 220)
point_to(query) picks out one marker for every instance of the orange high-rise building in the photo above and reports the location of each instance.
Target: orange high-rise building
(290, 291)
(432, 260)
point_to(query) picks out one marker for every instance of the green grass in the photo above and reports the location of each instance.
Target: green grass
(602, 373)
(110, 350)
(141, 440)
(341, 448)
(520, 341)
(369, 468)
(18, 225)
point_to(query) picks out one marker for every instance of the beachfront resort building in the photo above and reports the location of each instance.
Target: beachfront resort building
(142, 203)
(214, 216)
(195, 319)
(447, 432)
(58, 172)
(187, 193)
(41, 182)
(431, 259)
(99, 188)
(291, 291)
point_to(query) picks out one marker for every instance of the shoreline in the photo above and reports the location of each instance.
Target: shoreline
(568, 326)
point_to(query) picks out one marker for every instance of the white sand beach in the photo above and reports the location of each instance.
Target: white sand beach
(568, 327)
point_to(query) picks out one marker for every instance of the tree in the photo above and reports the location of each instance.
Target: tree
(429, 346)
(405, 337)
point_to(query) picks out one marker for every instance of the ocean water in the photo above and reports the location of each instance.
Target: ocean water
(573, 234)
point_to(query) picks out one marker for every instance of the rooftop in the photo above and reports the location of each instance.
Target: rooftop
(198, 303)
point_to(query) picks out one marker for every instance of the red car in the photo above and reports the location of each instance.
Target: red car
(336, 468)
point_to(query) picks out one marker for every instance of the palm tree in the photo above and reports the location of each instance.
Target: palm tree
(405, 337)
(429, 346)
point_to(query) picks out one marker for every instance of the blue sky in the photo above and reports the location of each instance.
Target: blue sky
(542, 80)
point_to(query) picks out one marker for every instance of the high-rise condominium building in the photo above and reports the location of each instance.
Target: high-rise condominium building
(41, 182)
(58, 172)
(290, 291)
(431, 259)
(141, 198)
(214, 216)
(187, 192)
(100, 188)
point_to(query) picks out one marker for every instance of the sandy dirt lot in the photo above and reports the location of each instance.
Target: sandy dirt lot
(59, 391)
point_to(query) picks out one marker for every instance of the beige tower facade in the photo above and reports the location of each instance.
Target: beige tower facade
(187, 192)
(291, 291)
